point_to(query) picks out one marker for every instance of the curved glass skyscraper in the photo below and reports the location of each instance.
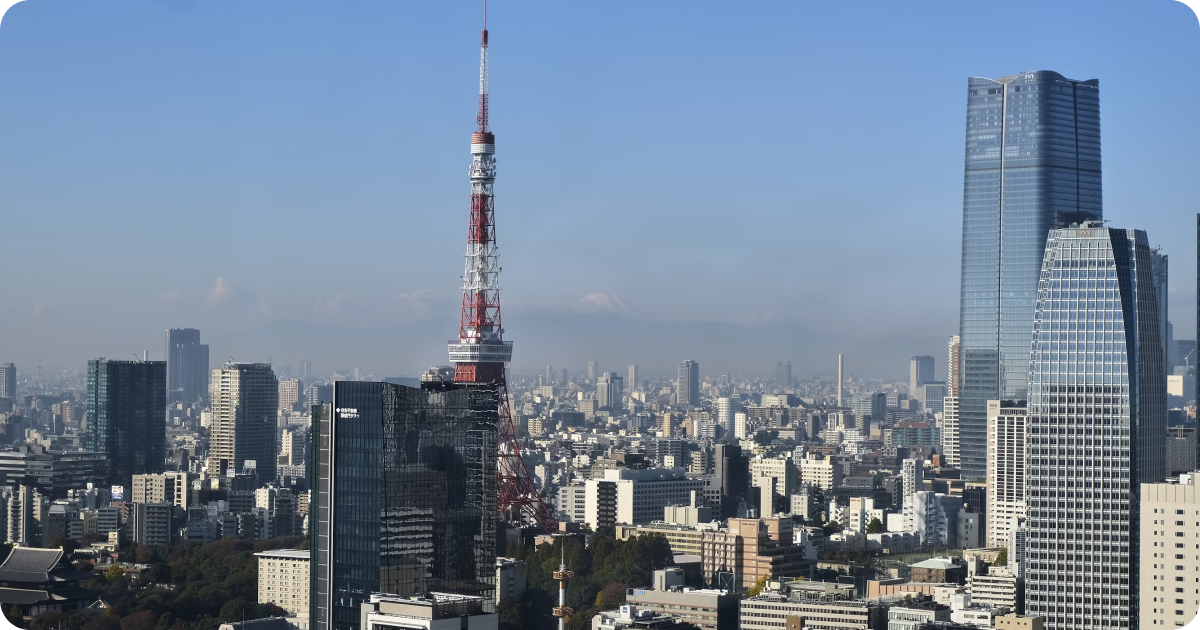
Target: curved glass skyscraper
(1097, 414)
(1032, 165)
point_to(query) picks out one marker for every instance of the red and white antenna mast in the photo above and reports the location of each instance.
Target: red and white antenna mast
(480, 352)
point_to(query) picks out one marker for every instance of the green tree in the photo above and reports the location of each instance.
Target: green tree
(144, 620)
(874, 527)
(512, 615)
(832, 527)
(759, 586)
(114, 574)
(1002, 558)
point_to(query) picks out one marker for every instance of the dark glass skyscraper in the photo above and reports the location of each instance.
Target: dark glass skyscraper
(187, 365)
(1097, 415)
(405, 499)
(687, 386)
(1032, 165)
(127, 416)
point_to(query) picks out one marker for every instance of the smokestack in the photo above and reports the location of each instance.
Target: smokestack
(840, 380)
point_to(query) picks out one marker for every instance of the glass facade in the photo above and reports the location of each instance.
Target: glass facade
(405, 495)
(1032, 165)
(1097, 413)
(127, 416)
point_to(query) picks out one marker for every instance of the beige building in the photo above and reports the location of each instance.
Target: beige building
(1017, 622)
(168, 487)
(245, 400)
(1005, 469)
(290, 391)
(683, 539)
(1170, 553)
(750, 548)
(283, 581)
(824, 473)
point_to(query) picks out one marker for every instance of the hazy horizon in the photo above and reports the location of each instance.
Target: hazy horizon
(787, 177)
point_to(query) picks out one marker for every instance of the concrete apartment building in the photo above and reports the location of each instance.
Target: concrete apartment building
(1006, 469)
(736, 556)
(153, 524)
(1170, 553)
(167, 487)
(636, 497)
(709, 609)
(283, 581)
(822, 472)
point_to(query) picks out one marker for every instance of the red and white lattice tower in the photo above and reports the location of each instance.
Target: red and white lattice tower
(480, 353)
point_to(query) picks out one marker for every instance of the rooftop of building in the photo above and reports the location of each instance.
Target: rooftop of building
(286, 554)
(935, 563)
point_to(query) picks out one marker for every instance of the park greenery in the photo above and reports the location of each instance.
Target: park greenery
(186, 587)
(603, 570)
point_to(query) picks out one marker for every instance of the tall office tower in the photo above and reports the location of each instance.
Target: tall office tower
(127, 420)
(1196, 370)
(840, 380)
(920, 371)
(565, 380)
(405, 495)
(953, 369)
(1170, 514)
(783, 374)
(480, 353)
(608, 390)
(593, 369)
(8, 381)
(1032, 165)
(687, 385)
(290, 391)
(870, 409)
(306, 369)
(1159, 273)
(1097, 416)
(245, 400)
(726, 408)
(549, 374)
(187, 366)
(1006, 469)
(633, 377)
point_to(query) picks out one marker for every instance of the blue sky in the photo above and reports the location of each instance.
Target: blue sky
(229, 165)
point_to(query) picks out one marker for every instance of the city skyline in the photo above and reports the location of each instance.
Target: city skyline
(404, 295)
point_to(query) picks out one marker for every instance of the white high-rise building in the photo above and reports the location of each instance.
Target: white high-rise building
(290, 390)
(1170, 554)
(950, 432)
(1006, 469)
(912, 474)
(283, 581)
(726, 409)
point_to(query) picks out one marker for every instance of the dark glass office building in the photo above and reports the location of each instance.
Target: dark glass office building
(405, 499)
(187, 366)
(1097, 416)
(127, 416)
(1032, 165)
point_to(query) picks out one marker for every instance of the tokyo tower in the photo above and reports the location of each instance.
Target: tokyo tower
(480, 353)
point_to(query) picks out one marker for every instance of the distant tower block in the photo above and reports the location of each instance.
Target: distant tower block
(480, 352)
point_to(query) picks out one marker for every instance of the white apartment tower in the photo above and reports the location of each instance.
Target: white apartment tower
(1006, 469)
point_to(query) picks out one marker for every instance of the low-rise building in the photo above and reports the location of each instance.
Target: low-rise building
(433, 611)
(779, 611)
(709, 609)
(510, 579)
(996, 588)
(283, 580)
(629, 617)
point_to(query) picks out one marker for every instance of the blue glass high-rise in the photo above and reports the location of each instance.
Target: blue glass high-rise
(1032, 165)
